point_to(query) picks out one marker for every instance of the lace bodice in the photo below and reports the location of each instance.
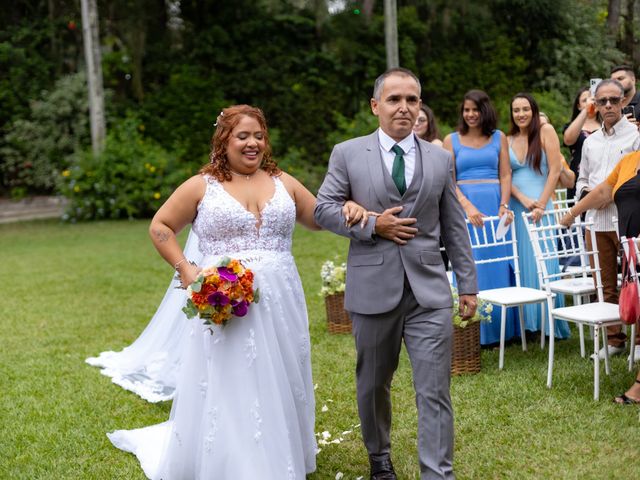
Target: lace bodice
(224, 226)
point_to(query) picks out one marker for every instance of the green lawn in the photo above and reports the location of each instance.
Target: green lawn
(71, 291)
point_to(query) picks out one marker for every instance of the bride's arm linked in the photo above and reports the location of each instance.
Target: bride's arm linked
(306, 204)
(176, 213)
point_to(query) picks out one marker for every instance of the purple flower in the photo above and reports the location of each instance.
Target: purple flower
(218, 298)
(240, 308)
(227, 274)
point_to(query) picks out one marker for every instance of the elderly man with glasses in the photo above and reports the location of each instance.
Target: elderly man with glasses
(601, 152)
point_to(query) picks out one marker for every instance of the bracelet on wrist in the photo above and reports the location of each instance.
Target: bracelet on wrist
(505, 205)
(175, 267)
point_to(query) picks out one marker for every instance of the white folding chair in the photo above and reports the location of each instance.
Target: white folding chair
(599, 315)
(482, 240)
(575, 281)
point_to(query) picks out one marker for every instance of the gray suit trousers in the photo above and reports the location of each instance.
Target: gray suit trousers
(427, 335)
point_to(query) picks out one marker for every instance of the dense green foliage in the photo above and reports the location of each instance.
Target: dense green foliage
(37, 148)
(129, 179)
(311, 71)
(77, 290)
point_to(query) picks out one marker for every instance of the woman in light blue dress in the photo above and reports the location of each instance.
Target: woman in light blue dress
(483, 177)
(534, 151)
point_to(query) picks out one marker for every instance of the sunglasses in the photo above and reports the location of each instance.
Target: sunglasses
(601, 102)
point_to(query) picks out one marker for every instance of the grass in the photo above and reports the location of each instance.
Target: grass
(70, 291)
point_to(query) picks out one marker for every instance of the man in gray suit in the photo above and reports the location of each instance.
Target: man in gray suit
(397, 288)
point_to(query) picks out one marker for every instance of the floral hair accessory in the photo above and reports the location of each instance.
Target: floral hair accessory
(218, 119)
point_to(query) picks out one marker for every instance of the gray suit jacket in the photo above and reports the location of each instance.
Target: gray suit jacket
(376, 267)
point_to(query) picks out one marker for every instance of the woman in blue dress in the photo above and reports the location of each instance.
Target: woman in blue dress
(483, 178)
(535, 156)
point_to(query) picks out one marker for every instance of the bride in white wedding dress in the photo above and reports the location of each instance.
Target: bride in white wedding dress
(149, 366)
(244, 406)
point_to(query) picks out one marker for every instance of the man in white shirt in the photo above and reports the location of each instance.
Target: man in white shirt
(601, 152)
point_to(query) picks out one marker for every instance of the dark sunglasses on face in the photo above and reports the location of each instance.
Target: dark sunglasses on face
(601, 102)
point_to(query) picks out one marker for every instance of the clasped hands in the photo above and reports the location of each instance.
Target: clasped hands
(388, 224)
(536, 207)
(400, 231)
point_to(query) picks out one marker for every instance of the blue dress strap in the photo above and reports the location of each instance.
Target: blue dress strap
(455, 143)
(495, 139)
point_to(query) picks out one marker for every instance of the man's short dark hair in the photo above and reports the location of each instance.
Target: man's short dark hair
(624, 68)
(379, 83)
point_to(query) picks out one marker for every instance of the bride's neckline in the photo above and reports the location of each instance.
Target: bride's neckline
(266, 203)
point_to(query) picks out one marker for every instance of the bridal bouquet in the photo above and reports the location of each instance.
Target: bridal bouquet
(221, 292)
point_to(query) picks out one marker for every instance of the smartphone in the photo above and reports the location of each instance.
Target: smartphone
(593, 84)
(628, 110)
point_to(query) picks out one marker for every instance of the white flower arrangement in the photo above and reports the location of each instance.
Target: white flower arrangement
(333, 278)
(483, 312)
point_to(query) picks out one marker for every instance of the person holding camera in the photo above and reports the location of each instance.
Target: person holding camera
(631, 101)
(601, 152)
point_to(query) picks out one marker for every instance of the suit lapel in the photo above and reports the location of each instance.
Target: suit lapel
(376, 172)
(422, 156)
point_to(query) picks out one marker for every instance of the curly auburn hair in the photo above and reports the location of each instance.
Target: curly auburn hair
(218, 166)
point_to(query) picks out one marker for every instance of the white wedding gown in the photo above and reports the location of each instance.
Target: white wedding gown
(244, 406)
(149, 366)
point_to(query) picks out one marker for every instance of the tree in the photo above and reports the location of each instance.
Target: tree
(391, 33)
(93, 59)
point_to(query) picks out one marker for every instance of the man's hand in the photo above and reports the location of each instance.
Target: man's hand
(632, 120)
(394, 228)
(467, 306)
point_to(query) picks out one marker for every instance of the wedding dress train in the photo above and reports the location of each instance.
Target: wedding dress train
(148, 367)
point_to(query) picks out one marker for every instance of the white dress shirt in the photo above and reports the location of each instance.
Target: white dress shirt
(408, 146)
(601, 152)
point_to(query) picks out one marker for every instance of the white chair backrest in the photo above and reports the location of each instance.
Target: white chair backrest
(624, 241)
(614, 219)
(484, 239)
(561, 205)
(546, 238)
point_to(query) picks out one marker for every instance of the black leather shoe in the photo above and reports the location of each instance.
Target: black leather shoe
(381, 467)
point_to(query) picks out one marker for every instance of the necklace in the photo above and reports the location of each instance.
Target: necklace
(246, 176)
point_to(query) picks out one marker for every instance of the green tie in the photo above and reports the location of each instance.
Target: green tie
(397, 172)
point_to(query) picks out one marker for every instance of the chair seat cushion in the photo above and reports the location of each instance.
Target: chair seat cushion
(573, 286)
(596, 313)
(509, 296)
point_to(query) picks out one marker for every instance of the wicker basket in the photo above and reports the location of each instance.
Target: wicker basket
(465, 354)
(338, 320)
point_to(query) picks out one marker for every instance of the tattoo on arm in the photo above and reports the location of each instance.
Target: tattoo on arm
(161, 236)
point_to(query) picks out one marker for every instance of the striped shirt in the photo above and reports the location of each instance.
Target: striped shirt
(601, 152)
